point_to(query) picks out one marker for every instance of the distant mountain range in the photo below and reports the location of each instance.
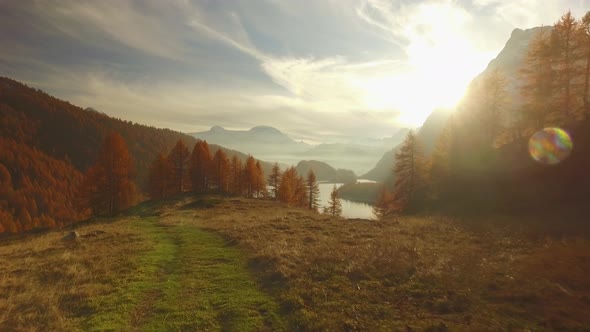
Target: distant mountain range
(269, 143)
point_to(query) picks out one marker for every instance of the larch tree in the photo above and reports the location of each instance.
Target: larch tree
(179, 160)
(334, 207)
(313, 191)
(108, 185)
(491, 101)
(260, 184)
(537, 89)
(201, 166)
(159, 178)
(382, 205)
(440, 162)
(410, 174)
(287, 186)
(274, 179)
(565, 45)
(250, 177)
(236, 175)
(584, 35)
(221, 171)
(301, 198)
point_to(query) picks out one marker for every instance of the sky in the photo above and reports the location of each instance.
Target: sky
(317, 70)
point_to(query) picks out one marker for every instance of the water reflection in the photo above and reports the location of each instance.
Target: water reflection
(350, 209)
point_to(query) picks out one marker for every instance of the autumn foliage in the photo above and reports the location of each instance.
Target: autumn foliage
(108, 185)
(46, 145)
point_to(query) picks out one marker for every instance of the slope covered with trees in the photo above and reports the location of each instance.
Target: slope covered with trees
(46, 146)
(492, 159)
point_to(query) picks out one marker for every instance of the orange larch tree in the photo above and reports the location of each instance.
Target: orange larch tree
(201, 166)
(108, 186)
(313, 191)
(250, 177)
(178, 158)
(221, 171)
(260, 183)
(159, 178)
(273, 180)
(236, 176)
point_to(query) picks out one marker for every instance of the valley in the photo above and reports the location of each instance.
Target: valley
(294, 166)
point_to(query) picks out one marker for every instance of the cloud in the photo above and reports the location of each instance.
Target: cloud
(333, 68)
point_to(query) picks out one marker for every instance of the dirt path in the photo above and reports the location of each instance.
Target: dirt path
(188, 280)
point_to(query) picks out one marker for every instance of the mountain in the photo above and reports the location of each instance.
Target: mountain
(511, 57)
(508, 61)
(271, 144)
(427, 134)
(325, 172)
(264, 135)
(261, 141)
(46, 144)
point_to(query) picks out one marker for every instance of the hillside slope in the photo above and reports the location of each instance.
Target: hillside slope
(50, 142)
(427, 134)
(325, 172)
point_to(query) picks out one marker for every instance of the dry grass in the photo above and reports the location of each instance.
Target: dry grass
(422, 273)
(407, 273)
(47, 284)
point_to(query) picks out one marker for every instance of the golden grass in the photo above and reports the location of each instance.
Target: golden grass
(46, 284)
(410, 273)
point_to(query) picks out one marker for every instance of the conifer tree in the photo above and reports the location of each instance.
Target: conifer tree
(178, 158)
(288, 186)
(537, 89)
(260, 181)
(440, 163)
(491, 100)
(383, 203)
(221, 171)
(585, 47)
(565, 46)
(313, 191)
(273, 180)
(334, 207)
(159, 178)
(236, 175)
(410, 174)
(108, 186)
(301, 199)
(201, 166)
(250, 177)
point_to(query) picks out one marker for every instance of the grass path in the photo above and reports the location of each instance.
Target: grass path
(188, 279)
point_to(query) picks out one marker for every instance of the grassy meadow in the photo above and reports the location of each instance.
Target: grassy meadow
(233, 264)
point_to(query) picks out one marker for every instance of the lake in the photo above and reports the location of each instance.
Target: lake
(350, 209)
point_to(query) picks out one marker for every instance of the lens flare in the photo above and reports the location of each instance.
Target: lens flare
(550, 146)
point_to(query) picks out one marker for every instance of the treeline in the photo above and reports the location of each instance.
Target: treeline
(46, 146)
(481, 161)
(199, 171)
(295, 190)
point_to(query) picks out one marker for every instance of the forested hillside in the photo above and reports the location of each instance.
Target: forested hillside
(500, 155)
(46, 144)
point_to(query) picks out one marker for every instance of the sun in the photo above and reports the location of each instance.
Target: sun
(439, 67)
(414, 95)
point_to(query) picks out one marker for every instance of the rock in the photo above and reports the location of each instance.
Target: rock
(72, 236)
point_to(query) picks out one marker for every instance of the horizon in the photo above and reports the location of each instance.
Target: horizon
(314, 71)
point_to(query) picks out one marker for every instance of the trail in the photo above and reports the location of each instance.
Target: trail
(189, 279)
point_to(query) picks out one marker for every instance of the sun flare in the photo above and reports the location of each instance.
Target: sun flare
(440, 65)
